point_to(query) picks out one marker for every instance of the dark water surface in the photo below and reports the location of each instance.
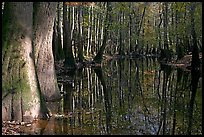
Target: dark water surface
(128, 96)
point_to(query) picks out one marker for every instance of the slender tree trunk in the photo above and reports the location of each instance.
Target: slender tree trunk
(159, 29)
(69, 58)
(54, 40)
(165, 10)
(195, 53)
(130, 30)
(59, 33)
(121, 46)
(139, 29)
(89, 32)
(80, 43)
(99, 56)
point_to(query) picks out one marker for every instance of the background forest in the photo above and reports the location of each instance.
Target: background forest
(132, 28)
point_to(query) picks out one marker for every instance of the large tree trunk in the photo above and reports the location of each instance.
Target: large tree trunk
(21, 98)
(44, 14)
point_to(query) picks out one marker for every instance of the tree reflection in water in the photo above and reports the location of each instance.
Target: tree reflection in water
(127, 96)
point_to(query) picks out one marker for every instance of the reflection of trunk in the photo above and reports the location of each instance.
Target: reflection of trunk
(179, 76)
(129, 87)
(67, 98)
(163, 106)
(166, 73)
(98, 72)
(120, 89)
(159, 85)
(195, 75)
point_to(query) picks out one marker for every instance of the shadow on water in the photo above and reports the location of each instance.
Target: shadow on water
(126, 97)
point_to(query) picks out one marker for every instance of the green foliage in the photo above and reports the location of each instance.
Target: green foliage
(148, 25)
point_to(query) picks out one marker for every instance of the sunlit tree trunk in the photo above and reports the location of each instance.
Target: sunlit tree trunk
(130, 30)
(165, 24)
(159, 29)
(21, 96)
(121, 45)
(80, 42)
(42, 42)
(59, 32)
(89, 32)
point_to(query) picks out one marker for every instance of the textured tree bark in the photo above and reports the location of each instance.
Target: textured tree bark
(21, 97)
(44, 14)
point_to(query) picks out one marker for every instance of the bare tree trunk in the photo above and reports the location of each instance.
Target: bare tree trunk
(99, 56)
(130, 30)
(21, 96)
(195, 53)
(80, 43)
(69, 58)
(89, 32)
(57, 33)
(42, 42)
(165, 10)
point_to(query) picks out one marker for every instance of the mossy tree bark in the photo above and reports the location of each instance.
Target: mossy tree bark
(44, 14)
(21, 96)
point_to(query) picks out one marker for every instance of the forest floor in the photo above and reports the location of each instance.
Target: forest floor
(14, 128)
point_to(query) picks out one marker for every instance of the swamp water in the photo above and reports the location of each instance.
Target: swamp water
(126, 97)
